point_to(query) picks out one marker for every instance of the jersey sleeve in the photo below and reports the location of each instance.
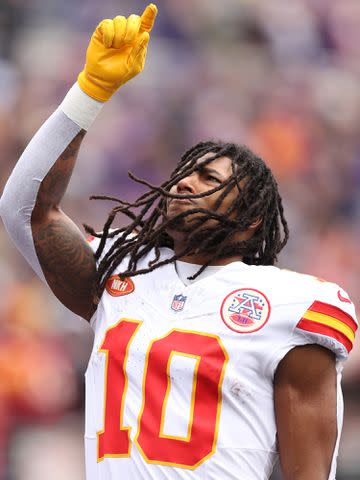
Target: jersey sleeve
(93, 242)
(330, 321)
(327, 318)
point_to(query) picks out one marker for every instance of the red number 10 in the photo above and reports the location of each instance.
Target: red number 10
(155, 447)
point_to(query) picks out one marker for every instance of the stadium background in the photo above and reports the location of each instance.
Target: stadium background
(281, 76)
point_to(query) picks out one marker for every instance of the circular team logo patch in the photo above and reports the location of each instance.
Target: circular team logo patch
(245, 310)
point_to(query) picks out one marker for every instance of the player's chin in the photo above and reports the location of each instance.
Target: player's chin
(178, 207)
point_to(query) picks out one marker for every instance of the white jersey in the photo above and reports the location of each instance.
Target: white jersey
(180, 380)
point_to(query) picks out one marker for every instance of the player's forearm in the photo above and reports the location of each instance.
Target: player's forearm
(54, 185)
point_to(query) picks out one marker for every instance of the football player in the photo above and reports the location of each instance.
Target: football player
(208, 361)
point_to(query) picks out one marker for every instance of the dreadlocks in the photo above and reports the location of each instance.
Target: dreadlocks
(258, 198)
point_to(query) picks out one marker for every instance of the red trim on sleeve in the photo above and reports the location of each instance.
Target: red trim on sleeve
(334, 312)
(315, 327)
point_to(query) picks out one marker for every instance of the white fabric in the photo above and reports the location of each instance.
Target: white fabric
(186, 270)
(245, 445)
(80, 108)
(20, 192)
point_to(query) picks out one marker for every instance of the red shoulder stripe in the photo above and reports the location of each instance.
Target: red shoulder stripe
(335, 312)
(316, 327)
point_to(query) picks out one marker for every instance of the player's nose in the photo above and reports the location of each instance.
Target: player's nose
(186, 185)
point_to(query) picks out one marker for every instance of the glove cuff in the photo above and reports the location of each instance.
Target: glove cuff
(98, 92)
(80, 107)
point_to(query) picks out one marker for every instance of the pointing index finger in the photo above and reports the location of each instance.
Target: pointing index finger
(148, 18)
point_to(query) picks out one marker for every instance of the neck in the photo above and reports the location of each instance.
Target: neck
(201, 259)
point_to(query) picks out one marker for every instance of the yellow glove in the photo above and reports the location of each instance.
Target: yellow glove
(116, 53)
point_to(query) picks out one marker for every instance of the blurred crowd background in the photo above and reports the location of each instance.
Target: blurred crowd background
(280, 76)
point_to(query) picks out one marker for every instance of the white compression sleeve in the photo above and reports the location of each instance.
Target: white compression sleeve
(77, 111)
(20, 192)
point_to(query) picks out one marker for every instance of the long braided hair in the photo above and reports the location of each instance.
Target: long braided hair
(258, 198)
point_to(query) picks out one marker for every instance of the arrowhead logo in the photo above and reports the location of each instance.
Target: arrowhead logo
(343, 299)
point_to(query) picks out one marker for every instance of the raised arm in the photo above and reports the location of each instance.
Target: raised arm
(306, 416)
(30, 204)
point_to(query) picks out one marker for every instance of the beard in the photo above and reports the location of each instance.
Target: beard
(198, 231)
(191, 221)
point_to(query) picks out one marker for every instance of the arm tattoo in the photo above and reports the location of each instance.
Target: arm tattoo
(67, 260)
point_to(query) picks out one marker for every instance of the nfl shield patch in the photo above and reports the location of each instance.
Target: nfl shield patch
(178, 303)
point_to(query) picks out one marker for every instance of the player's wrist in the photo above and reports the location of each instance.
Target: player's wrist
(92, 89)
(80, 107)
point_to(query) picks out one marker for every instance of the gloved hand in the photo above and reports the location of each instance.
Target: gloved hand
(116, 53)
